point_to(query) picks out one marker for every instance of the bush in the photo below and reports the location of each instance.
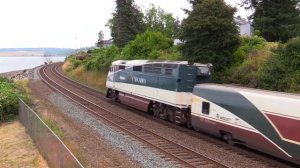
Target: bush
(8, 100)
(281, 72)
(101, 59)
(172, 53)
(146, 46)
(245, 71)
(248, 45)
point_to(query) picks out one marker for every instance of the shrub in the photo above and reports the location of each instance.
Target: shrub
(246, 73)
(146, 46)
(8, 100)
(172, 53)
(281, 71)
(248, 45)
(101, 59)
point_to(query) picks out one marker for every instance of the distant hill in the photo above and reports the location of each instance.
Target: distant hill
(46, 51)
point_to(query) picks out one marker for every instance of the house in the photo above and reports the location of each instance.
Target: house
(245, 26)
(104, 43)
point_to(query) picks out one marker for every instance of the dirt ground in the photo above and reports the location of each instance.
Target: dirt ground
(90, 149)
(17, 149)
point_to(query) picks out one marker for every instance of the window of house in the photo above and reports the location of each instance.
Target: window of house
(205, 108)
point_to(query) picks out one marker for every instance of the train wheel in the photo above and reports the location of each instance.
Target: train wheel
(114, 96)
(228, 138)
(177, 117)
(156, 110)
(163, 111)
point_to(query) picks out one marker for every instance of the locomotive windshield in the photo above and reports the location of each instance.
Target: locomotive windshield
(204, 73)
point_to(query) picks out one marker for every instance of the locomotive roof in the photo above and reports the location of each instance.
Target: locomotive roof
(142, 62)
(230, 88)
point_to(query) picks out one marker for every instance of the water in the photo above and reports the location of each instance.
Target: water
(8, 64)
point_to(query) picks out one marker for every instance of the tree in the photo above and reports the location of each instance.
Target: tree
(177, 27)
(126, 23)
(277, 20)
(157, 19)
(147, 46)
(210, 34)
(100, 39)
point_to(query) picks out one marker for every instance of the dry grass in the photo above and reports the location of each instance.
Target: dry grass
(17, 149)
(67, 66)
(23, 86)
(92, 78)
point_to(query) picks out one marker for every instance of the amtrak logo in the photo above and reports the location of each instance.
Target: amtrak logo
(138, 80)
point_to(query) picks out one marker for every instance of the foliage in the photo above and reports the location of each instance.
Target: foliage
(54, 127)
(172, 53)
(248, 46)
(277, 20)
(146, 46)
(24, 91)
(282, 71)
(246, 72)
(126, 23)
(101, 58)
(156, 19)
(8, 100)
(210, 34)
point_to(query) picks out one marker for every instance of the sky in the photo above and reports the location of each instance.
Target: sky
(68, 23)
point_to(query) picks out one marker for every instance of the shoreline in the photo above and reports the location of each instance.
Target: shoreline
(19, 74)
(34, 56)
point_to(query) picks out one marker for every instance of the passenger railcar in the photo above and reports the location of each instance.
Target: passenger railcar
(264, 120)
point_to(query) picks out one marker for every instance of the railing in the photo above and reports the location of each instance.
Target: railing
(54, 151)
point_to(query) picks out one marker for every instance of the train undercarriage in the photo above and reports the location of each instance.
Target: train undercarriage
(179, 116)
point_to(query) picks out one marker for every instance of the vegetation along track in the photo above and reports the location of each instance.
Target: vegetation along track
(174, 151)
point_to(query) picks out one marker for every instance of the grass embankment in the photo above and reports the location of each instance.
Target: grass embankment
(95, 79)
(9, 93)
(17, 149)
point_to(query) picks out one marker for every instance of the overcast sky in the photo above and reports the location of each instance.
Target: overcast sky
(67, 23)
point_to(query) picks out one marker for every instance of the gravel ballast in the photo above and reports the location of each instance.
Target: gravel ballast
(128, 145)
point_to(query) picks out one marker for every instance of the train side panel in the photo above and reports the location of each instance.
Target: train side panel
(241, 114)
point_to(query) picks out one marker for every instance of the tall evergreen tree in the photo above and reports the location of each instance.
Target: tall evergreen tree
(126, 23)
(277, 20)
(210, 34)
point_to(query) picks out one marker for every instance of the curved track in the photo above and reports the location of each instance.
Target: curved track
(184, 156)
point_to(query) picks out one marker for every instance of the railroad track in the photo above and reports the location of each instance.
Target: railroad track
(182, 155)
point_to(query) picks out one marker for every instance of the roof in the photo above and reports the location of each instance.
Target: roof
(230, 88)
(142, 62)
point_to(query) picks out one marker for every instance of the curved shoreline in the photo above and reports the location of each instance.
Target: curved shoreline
(19, 74)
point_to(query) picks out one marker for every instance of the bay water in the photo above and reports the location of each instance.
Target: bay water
(8, 64)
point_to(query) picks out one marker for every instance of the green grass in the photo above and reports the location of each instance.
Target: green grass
(54, 127)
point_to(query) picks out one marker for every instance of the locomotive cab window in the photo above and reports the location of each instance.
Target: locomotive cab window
(137, 68)
(121, 67)
(205, 108)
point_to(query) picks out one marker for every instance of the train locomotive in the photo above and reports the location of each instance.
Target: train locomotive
(179, 92)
